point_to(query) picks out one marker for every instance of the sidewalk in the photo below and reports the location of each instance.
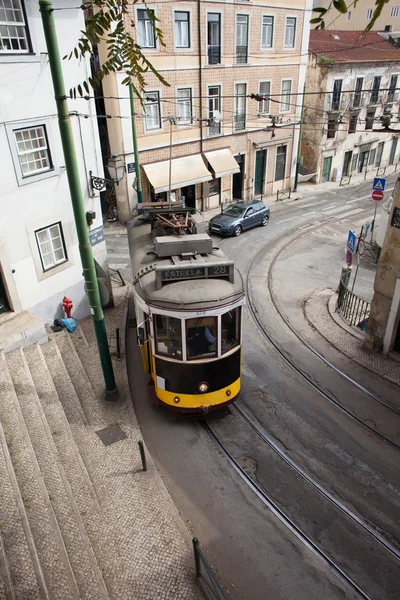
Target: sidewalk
(79, 517)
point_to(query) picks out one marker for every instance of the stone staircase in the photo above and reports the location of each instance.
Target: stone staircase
(78, 518)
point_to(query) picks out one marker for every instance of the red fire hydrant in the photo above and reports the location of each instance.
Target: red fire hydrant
(67, 306)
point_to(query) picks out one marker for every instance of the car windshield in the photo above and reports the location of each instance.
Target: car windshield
(233, 211)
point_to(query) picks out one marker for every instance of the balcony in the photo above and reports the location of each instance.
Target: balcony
(240, 122)
(241, 54)
(214, 55)
(214, 127)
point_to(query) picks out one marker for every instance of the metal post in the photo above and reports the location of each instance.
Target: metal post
(118, 342)
(171, 121)
(135, 146)
(373, 224)
(142, 455)
(195, 542)
(296, 177)
(71, 165)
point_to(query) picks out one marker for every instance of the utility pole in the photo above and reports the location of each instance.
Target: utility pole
(172, 121)
(85, 249)
(296, 177)
(135, 146)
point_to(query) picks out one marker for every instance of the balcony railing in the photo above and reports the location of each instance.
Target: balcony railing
(240, 122)
(214, 55)
(241, 54)
(214, 128)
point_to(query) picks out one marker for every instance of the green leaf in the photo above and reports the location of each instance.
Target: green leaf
(316, 20)
(340, 6)
(320, 9)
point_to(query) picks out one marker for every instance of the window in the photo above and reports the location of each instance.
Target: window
(376, 84)
(242, 30)
(182, 31)
(13, 29)
(369, 121)
(392, 88)
(353, 122)
(215, 187)
(371, 159)
(240, 106)
(349, 15)
(201, 337)
(379, 152)
(354, 162)
(395, 11)
(51, 246)
(145, 29)
(152, 108)
(280, 166)
(184, 107)
(290, 32)
(358, 92)
(33, 151)
(286, 90)
(331, 127)
(168, 336)
(337, 90)
(214, 109)
(267, 34)
(388, 28)
(214, 38)
(369, 14)
(230, 329)
(264, 90)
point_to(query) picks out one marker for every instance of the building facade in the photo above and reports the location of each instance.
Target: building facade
(217, 139)
(39, 257)
(359, 16)
(351, 113)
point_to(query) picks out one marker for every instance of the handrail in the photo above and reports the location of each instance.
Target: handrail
(206, 576)
(354, 310)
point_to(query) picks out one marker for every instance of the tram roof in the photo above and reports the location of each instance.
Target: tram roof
(193, 294)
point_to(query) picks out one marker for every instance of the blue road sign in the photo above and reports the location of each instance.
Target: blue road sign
(379, 184)
(351, 241)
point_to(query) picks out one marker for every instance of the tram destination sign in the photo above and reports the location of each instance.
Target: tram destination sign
(218, 270)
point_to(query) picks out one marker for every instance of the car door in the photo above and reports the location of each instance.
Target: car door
(259, 209)
(249, 218)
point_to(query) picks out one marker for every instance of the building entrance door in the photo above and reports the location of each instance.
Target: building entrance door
(190, 195)
(260, 170)
(362, 160)
(326, 169)
(237, 179)
(346, 162)
(4, 305)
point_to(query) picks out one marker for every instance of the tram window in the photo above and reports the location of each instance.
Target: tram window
(230, 329)
(168, 336)
(201, 337)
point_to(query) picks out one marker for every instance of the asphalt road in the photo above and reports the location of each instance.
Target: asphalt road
(254, 554)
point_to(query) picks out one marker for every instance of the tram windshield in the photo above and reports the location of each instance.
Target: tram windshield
(201, 336)
(168, 336)
(230, 329)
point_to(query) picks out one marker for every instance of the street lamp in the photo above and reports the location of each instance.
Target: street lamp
(116, 171)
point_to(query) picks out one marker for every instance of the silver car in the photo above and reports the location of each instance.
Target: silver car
(238, 217)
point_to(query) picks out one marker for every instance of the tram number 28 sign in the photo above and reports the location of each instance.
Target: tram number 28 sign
(167, 274)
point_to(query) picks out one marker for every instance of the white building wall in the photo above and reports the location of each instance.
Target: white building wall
(27, 99)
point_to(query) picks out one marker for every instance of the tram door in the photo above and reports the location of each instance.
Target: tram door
(143, 339)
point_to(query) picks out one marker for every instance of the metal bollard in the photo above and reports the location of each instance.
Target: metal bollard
(142, 455)
(196, 556)
(118, 343)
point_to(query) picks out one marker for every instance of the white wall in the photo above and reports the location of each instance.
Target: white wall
(27, 98)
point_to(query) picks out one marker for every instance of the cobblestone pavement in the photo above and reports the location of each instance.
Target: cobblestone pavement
(79, 518)
(318, 313)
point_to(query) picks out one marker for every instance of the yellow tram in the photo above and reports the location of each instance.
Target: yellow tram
(188, 302)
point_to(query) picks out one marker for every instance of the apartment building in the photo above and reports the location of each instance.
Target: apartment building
(39, 255)
(219, 142)
(359, 15)
(351, 122)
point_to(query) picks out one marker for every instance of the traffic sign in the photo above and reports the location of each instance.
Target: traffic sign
(379, 184)
(349, 258)
(377, 195)
(351, 240)
(361, 247)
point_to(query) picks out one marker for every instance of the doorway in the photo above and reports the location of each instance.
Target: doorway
(347, 162)
(4, 304)
(237, 179)
(326, 169)
(393, 151)
(260, 171)
(189, 192)
(362, 160)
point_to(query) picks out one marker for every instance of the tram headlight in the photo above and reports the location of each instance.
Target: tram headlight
(203, 387)
(177, 399)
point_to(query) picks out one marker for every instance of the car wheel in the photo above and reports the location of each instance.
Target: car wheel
(237, 231)
(265, 220)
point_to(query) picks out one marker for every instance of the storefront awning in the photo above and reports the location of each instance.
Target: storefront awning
(222, 162)
(184, 171)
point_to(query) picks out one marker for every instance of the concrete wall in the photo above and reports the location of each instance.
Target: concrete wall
(30, 203)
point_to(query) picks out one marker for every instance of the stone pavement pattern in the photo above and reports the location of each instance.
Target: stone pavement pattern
(79, 519)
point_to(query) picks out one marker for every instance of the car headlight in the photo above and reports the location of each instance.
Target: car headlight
(203, 387)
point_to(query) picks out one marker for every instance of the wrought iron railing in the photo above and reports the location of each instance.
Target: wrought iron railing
(214, 128)
(353, 309)
(240, 122)
(206, 576)
(241, 54)
(214, 55)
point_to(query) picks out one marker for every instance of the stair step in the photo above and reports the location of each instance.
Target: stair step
(19, 564)
(75, 548)
(21, 329)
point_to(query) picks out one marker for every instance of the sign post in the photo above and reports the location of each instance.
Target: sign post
(378, 187)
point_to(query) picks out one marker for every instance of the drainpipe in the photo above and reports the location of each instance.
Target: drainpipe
(201, 90)
(296, 177)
